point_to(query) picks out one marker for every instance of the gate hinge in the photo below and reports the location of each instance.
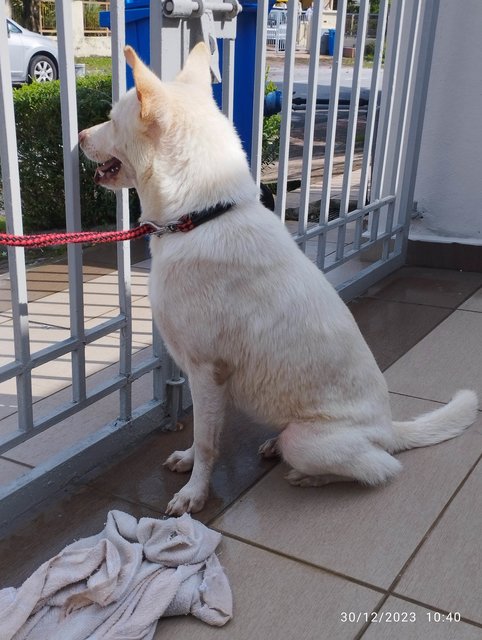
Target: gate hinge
(212, 19)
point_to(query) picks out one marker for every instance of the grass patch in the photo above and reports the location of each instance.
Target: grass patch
(96, 64)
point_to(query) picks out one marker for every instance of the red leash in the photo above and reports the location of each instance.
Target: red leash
(185, 223)
(51, 239)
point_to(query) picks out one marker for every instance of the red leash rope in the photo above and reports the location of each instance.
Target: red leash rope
(185, 223)
(76, 237)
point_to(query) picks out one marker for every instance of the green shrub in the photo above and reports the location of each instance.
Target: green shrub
(39, 138)
(369, 51)
(271, 130)
(91, 16)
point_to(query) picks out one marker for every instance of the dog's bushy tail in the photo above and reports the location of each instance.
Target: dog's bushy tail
(439, 425)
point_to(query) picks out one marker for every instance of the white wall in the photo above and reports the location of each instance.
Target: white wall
(449, 180)
(85, 46)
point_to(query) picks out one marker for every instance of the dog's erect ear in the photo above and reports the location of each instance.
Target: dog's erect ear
(197, 69)
(148, 85)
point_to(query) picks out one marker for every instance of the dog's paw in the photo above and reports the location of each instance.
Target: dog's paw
(270, 449)
(186, 501)
(298, 479)
(180, 461)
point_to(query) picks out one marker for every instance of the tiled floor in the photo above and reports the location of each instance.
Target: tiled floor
(340, 562)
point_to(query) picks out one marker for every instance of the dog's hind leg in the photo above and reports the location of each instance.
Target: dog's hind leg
(320, 456)
(181, 461)
(270, 449)
(209, 402)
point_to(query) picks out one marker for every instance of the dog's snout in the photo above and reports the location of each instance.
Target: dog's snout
(82, 136)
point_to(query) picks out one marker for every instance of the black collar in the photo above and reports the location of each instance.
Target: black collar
(190, 221)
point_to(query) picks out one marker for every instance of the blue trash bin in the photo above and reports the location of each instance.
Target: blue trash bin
(331, 41)
(244, 63)
(137, 35)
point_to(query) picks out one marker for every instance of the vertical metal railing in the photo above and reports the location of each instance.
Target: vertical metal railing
(390, 81)
(288, 79)
(309, 128)
(352, 122)
(228, 78)
(259, 82)
(371, 120)
(375, 226)
(16, 255)
(331, 129)
(70, 134)
(119, 87)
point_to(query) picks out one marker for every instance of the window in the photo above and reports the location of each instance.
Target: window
(12, 28)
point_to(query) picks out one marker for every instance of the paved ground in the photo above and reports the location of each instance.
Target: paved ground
(275, 64)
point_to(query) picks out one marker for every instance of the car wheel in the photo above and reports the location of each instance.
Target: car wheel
(42, 69)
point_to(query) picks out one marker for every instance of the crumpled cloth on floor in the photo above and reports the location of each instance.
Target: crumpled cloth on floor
(117, 584)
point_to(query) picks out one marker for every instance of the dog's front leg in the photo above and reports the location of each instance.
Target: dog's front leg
(209, 401)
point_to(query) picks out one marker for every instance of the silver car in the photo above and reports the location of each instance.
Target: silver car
(32, 57)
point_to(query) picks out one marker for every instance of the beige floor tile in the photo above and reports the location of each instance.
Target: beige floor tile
(276, 598)
(42, 281)
(416, 623)
(365, 533)
(52, 310)
(53, 376)
(100, 297)
(41, 337)
(76, 428)
(45, 279)
(141, 320)
(449, 358)
(474, 303)
(5, 292)
(446, 572)
(9, 471)
(104, 290)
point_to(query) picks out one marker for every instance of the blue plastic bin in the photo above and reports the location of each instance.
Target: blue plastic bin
(137, 35)
(331, 41)
(244, 63)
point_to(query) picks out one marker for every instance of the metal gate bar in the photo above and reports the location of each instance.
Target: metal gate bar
(352, 122)
(16, 255)
(119, 87)
(309, 129)
(70, 134)
(259, 83)
(371, 115)
(284, 145)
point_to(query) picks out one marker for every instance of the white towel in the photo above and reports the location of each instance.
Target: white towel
(117, 584)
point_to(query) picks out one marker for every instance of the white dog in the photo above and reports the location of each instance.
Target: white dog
(243, 312)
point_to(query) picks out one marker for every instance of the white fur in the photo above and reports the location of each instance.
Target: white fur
(244, 313)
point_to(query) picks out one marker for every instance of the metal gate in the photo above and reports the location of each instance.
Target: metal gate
(356, 242)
